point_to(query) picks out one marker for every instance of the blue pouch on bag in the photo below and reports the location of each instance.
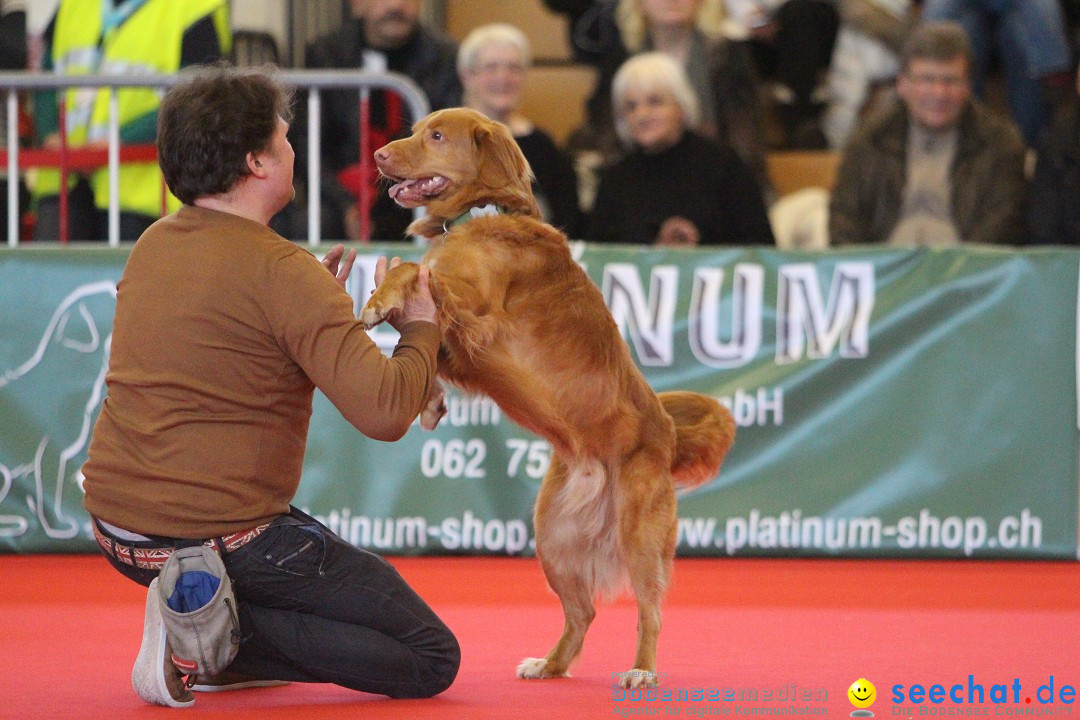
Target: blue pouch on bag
(193, 590)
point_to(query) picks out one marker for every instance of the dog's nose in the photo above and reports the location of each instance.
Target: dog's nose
(383, 153)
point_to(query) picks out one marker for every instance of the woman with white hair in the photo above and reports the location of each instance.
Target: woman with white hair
(492, 63)
(720, 72)
(674, 186)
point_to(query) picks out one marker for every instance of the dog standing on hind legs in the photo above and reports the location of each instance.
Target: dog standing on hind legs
(523, 324)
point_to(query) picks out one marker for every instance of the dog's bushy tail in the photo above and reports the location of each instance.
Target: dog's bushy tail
(704, 432)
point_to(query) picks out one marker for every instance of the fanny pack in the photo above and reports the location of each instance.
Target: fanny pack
(198, 609)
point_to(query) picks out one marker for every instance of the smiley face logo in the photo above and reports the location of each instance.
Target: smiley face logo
(862, 693)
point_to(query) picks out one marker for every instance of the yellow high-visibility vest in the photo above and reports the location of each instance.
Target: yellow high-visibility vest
(146, 42)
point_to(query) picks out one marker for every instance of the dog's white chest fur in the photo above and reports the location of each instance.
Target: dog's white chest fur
(583, 525)
(584, 497)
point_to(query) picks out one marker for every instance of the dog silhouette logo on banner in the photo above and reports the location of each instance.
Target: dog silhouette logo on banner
(55, 394)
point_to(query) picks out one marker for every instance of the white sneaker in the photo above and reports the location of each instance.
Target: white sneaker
(229, 680)
(154, 678)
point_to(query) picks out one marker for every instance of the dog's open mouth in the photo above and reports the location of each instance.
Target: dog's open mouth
(417, 191)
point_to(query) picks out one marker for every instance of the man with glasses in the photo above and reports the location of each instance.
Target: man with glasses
(936, 169)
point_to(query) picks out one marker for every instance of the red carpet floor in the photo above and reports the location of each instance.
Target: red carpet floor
(775, 629)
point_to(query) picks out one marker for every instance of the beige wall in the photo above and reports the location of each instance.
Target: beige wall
(546, 30)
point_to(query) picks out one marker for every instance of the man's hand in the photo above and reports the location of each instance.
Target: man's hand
(338, 268)
(677, 231)
(420, 306)
(381, 266)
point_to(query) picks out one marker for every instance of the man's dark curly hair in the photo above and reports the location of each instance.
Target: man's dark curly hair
(211, 120)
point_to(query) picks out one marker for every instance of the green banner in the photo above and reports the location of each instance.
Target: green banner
(916, 403)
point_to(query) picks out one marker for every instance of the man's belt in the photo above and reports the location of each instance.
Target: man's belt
(152, 558)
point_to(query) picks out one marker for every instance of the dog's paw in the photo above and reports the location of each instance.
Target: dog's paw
(635, 678)
(375, 312)
(532, 668)
(434, 408)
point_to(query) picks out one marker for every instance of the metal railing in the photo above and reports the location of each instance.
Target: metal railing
(312, 81)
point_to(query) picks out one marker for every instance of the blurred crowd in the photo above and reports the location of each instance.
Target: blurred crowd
(951, 121)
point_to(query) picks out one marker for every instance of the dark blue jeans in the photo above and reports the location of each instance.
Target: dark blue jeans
(314, 608)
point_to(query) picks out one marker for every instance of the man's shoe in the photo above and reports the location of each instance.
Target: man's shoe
(229, 680)
(154, 677)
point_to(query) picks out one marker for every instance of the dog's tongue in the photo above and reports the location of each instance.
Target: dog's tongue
(398, 188)
(416, 191)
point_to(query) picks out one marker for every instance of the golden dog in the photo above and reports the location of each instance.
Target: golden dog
(523, 324)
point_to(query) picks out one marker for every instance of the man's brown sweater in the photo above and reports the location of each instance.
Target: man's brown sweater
(223, 330)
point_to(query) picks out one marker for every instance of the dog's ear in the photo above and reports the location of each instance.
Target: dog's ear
(499, 162)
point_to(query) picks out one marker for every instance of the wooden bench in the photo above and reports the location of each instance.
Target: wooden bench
(792, 170)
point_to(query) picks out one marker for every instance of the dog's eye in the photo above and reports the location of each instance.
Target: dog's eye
(436, 135)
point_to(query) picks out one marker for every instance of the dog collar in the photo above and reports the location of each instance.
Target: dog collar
(483, 211)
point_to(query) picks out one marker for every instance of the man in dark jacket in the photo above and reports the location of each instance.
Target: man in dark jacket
(936, 169)
(1054, 212)
(381, 35)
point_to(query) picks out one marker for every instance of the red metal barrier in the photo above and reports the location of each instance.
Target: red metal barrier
(82, 159)
(364, 201)
(63, 172)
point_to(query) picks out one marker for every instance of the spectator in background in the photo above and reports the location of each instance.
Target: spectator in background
(865, 61)
(1071, 11)
(493, 61)
(380, 35)
(13, 56)
(130, 37)
(720, 73)
(674, 187)
(1054, 212)
(591, 29)
(936, 169)
(1029, 38)
(792, 44)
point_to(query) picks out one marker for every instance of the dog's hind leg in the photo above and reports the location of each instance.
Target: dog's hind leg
(564, 549)
(647, 522)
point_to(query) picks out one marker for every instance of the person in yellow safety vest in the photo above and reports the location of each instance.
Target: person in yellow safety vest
(117, 37)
